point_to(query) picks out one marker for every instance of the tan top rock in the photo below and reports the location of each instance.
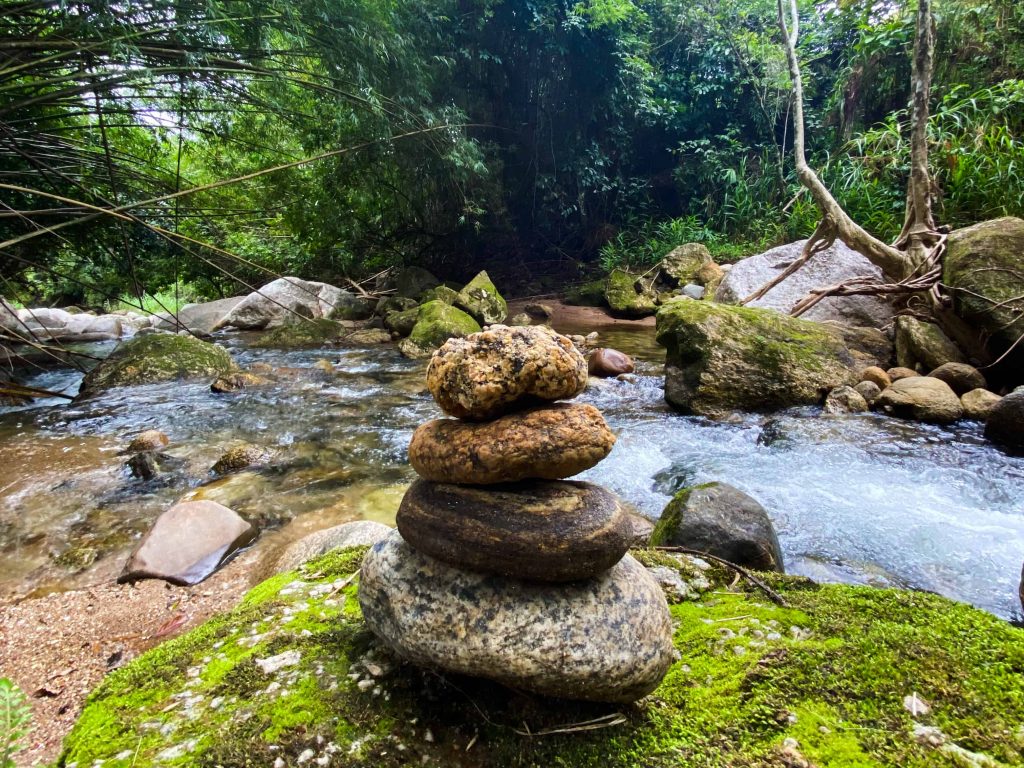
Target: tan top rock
(549, 442)
(491, 372)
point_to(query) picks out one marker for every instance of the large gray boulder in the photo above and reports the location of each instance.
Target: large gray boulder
(831, 266)
(199, 318)
(723, 521)
(187, 543)
(608, 638)
(285, 300)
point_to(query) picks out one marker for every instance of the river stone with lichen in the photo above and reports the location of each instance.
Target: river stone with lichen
(291, 673)
(481, 299)
(155, 358)
(608, 638)
(497, 370)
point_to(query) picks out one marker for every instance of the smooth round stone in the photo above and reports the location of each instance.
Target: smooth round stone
(603, 639)
(549, 443)
(497, 370)
(923, 398)
(541, 530)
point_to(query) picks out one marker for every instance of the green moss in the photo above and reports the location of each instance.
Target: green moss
(402, 322)
(441, 293)
(829, 671)
(622, 297)
(157, 357)
(436, 322)
(589, 294)
(480, 299)
(672, 516)
(723, 357)
(302, 333)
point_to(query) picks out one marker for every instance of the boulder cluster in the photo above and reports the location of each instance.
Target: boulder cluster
(500, 568)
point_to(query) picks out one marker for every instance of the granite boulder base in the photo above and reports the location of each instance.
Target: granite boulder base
(548, 442)
(603, 639)
(541, 530)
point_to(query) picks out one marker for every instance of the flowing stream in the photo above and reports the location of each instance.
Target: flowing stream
(854, 498)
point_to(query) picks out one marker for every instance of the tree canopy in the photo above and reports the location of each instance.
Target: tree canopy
(208, 145)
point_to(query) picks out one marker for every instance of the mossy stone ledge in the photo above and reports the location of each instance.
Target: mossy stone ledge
(155, 358)
(292, 674)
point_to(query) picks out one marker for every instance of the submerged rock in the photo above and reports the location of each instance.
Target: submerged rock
(240, 457)
(481, 300)
(922, 398)
(494, 371)
(722, 358)
(150, 440)
(233, 382)
(833, 265)
(723, 521)
(1005, 423)
(923, 346)
(604, 639)
(606, 363)
(537, 530)
(161, 357)
(187, 543)
(547, 442)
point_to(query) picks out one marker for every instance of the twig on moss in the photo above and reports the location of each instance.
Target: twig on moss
(605, 721)
(772, 595)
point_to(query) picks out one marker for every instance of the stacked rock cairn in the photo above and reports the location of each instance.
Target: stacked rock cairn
(500, 568)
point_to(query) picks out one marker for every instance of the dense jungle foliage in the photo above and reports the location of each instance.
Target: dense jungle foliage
(195, 147)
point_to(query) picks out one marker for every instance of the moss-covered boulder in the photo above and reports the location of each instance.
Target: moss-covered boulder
(588, 294)
(723, 358)
(922, 346)
(436, 322)
(626, 298)
(349, 306)
(441, 293)
(402, 322)
(684, 263)
(302, 334)
(291, 677)
(480, 299)
(390, 304)
(157, 357)
(984, 268)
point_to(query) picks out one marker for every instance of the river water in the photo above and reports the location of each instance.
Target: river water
(854, 498)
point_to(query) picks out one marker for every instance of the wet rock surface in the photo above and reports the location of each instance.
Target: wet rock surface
(547, 442)
(357, 533)
(491, 372)
(1005, 423)
(187, 543)
(606, 639)
(606, 363)
(723, 521)
(923, 398)
(536, 530)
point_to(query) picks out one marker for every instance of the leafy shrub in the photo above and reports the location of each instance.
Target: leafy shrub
(14, 721)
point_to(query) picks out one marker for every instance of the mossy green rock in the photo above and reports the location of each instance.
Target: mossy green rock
(589, 294)
(481, 299)
(624, 299)
(436, 322)
(157, 357)
(402, 322)
(302, 334)
(293, 669)
(683, 264)
(441, 293)
(722, 358)
(984, 268)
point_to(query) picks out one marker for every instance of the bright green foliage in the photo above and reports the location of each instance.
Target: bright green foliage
(830, 671)
(15, 716)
